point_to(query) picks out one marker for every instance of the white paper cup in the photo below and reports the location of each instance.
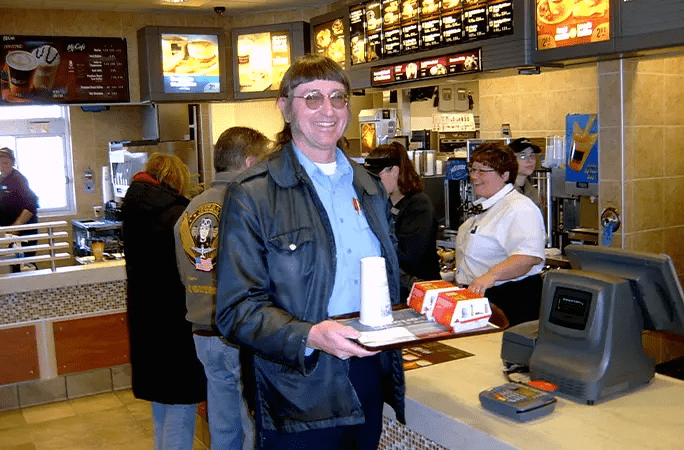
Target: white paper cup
(376, 307)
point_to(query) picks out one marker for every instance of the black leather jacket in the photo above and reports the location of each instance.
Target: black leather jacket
(276, 268)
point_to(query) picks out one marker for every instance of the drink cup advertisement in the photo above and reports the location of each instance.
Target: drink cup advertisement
(582, 149)
(52, 69)
(561, 23)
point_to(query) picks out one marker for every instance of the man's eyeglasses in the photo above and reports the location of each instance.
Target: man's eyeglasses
(474, 170)
(314, 100)
(524, 156)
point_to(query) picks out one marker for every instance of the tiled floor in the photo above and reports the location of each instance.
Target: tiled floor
(111, 421)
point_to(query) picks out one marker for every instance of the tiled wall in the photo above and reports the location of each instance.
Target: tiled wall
(642, 151)
(67, 301)
(536, 105)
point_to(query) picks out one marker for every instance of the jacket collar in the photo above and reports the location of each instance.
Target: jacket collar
(287, 172)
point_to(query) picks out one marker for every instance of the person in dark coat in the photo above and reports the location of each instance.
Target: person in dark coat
(18, 203)
(164, 363)
(415, 217)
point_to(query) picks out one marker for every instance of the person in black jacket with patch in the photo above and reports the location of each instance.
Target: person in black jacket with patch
(302, 220)
(164, 363)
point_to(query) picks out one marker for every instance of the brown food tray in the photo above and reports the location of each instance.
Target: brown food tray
(422, 329)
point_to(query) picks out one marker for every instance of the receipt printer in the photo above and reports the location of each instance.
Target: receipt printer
(518, 343)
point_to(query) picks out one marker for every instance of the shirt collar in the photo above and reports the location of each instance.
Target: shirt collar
(343, 166)
(487, 203)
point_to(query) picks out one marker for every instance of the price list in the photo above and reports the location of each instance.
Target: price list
(500, 18)
(475, 22)
(430, 25)
(374, 30)
(409, 26)
(65, 69)
(391, 27)
(357, 34)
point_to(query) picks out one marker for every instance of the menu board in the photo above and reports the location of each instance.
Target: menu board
(329, 40)
(474, 20)
(430, 24)
(499, 18)
(357, 34)
(452, 22)
(459, 63)
(51, 69)
(263, 59)
(391, 26)
(562, 23)
(405, 26)
(374, 30)
(190, 63)
(410, 26)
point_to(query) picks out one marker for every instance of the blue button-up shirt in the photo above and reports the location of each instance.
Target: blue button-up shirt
(352, 235)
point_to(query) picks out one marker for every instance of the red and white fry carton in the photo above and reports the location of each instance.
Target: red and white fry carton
(424, 294)
(462, 310)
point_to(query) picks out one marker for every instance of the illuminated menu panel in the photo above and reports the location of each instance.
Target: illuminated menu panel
(562, 23)
(425, 69)
(399, 27)
(190, 63)
(357, 34)
(263, 59)
(52, 69)
(329, 40)
(391, 27)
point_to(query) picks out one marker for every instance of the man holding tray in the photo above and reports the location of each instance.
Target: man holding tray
(303, 220)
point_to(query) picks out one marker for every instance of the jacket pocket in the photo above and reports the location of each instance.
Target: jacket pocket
(290, 242)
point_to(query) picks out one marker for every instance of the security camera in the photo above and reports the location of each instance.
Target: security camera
(219, 10)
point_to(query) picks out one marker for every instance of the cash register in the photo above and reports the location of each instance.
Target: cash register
(588, 337)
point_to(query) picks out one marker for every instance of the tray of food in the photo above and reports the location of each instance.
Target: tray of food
(436, 310)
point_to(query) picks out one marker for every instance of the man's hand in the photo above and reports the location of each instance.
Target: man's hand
(334, 338)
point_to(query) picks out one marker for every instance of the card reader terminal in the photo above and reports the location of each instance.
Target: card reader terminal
(517, 401)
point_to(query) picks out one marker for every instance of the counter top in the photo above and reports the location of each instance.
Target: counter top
(442, 404)
(97, 272)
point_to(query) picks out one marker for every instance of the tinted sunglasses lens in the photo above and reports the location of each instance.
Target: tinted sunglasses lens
(314, 100)
(338, 101)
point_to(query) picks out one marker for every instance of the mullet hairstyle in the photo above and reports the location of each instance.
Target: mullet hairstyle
(305, 69)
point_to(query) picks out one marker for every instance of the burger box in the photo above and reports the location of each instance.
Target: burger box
(462, 310)
(424, 294)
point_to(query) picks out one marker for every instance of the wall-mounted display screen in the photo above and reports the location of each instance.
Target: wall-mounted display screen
(190, 63)
(52, 69)
(181, 64)
(455, 64)
(263, 54)
(399, 27)
(329, 40)
(263, 59)
(562, 23)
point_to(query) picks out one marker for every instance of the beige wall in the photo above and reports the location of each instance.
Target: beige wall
(642, 151)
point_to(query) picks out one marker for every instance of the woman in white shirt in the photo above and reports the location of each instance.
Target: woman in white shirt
(500, 250)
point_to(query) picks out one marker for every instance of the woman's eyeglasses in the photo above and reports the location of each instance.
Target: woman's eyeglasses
(474, 170)
(314, 100)
(524, 156)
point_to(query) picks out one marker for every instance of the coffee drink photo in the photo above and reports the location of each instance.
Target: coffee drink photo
(48, 62)
(21, 66)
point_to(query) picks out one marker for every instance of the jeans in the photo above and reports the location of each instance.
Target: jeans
(174, 426)
(230, 423)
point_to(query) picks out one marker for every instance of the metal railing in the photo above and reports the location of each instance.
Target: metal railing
(50, 242)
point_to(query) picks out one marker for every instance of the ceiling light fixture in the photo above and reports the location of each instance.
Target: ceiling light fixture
(173, 1)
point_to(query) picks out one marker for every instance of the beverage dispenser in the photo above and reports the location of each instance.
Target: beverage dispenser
(376, 127)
